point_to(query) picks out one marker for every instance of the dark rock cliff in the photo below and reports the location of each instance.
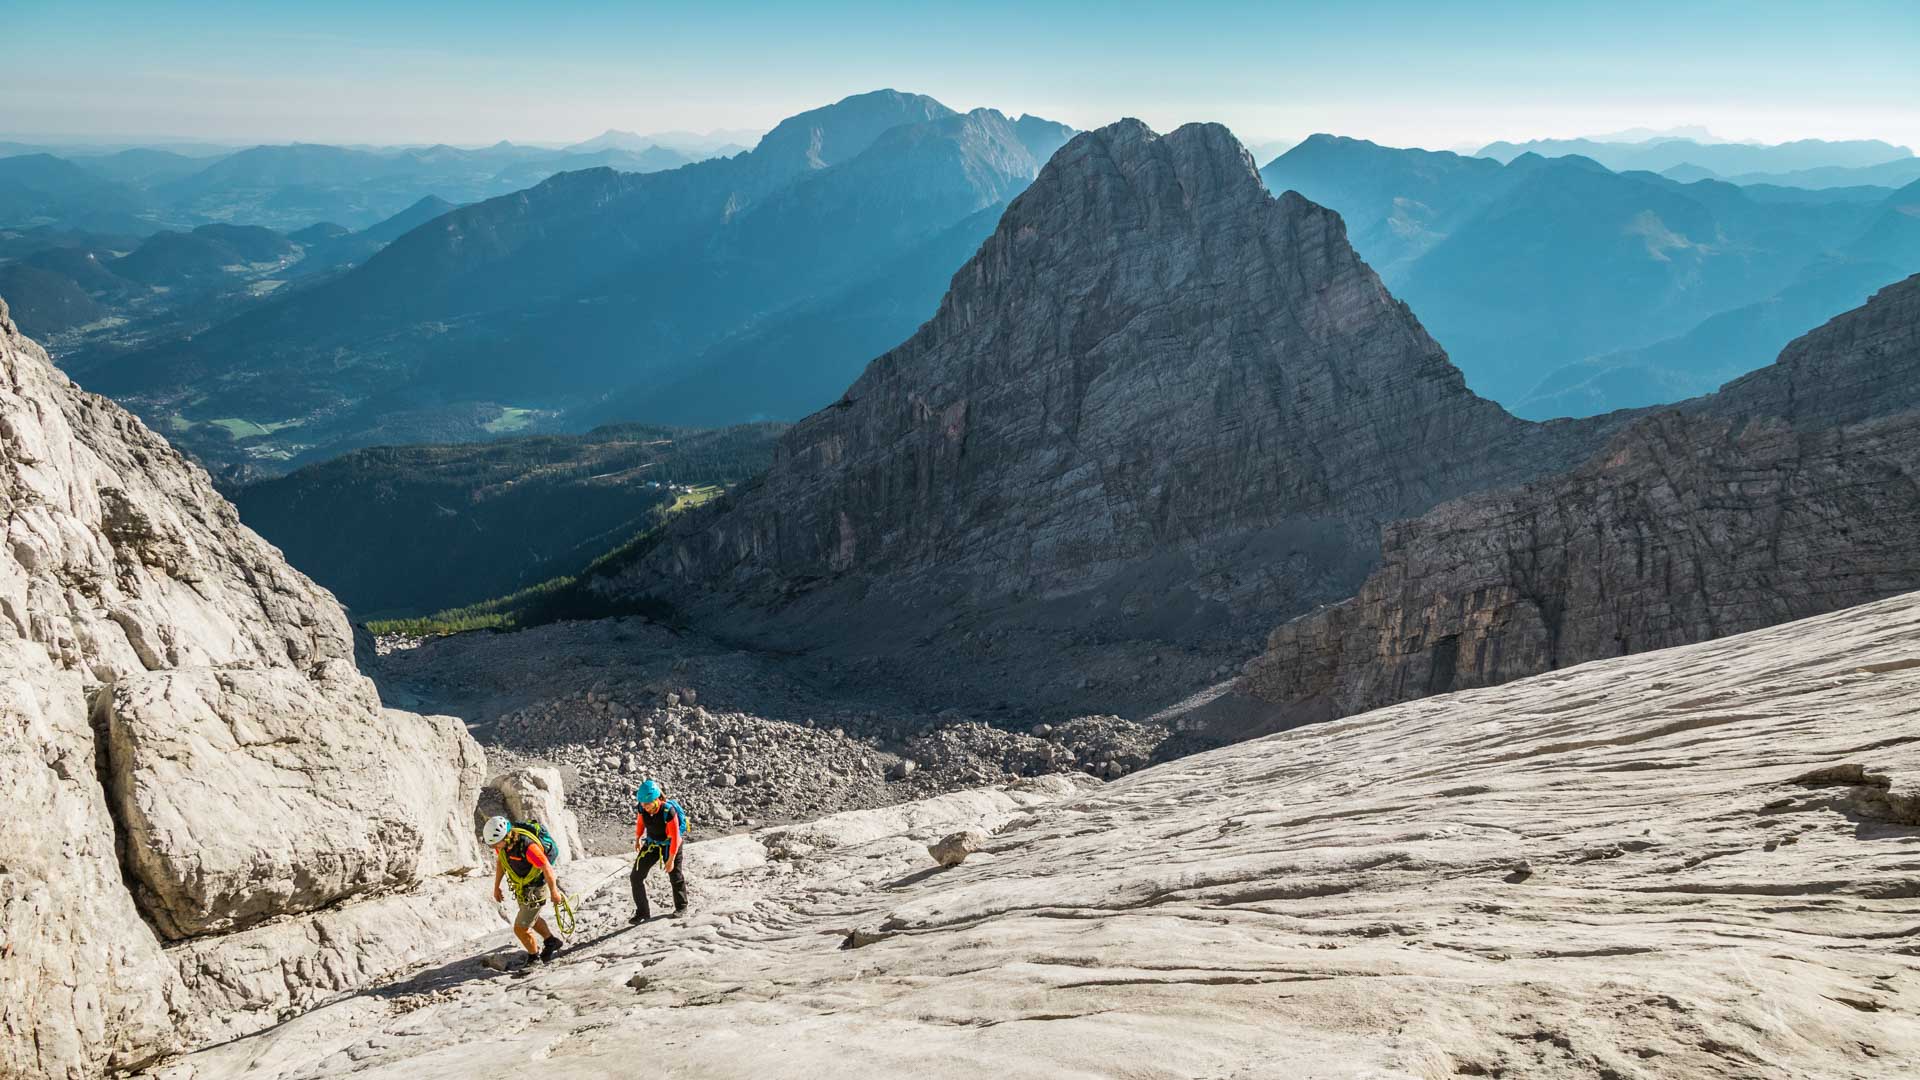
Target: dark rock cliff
(1789, 493)
(1159, 403)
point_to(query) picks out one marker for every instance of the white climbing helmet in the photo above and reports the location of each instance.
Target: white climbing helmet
(496, 830)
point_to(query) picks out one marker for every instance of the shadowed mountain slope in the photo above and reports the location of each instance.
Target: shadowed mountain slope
(1789, 493)
(1158, 402)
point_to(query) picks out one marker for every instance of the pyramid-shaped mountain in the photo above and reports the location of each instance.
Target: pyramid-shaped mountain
(1158, 404)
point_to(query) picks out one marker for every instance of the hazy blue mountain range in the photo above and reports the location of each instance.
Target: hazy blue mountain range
(40, 189)
(1721, 158)
(1897, 173)
(1397, 203)
(412, 529)
(1773, 193)
(600, 283)
(143, 167)
(750, 374)
(694, 146)
(45, 302)
(330, 246)
(284, 187)
(1711, 354)
(99, 148)
(1526, 268)
(296, 185)
(106, 293)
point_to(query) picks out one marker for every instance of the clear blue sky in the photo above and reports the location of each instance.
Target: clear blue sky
(1404, 73)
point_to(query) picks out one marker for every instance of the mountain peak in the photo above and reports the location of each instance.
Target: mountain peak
(1156, 393)
(833, 133)
(1203, 161)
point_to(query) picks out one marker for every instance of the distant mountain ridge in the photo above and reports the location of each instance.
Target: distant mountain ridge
(1562, 287)
(695, 146)
(283, 187)
(92, 294)
(596, 282)
(1723, 159)
(1896, 173)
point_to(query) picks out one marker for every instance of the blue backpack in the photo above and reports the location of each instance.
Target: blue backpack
(680, 815)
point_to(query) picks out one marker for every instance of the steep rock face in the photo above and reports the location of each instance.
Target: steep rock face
(1790, 493)
(83, 983)
(1156, 391)
(187, 705)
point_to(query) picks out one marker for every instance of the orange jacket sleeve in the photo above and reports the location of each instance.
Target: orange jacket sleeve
(673, 837)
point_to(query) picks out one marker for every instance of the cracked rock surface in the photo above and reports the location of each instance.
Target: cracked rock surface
(1664, 865)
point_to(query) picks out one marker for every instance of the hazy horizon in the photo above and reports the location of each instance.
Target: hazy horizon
(357, 73)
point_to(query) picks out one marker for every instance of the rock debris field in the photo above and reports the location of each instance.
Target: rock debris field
(742, 739)
(1702, 862)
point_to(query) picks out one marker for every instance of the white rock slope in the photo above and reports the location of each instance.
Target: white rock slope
(189, 747)
(1701, 862)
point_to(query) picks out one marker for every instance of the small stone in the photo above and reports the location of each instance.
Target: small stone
(954, 849)
(902, 769)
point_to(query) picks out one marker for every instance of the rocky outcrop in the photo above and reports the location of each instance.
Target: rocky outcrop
(536, 794)
(197, 751)
(248, 794)
(1157, 400)
(1790, 493)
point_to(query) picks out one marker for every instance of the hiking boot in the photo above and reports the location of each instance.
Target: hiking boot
(548, 948)
(637, 918)
(679, 912)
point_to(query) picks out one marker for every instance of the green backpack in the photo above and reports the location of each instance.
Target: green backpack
(534, 832)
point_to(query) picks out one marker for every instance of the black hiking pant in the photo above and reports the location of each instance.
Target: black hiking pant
(677, 878)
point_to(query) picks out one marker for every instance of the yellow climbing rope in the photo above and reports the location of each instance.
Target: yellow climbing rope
(563, 915)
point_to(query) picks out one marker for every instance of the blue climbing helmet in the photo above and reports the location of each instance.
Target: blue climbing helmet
(648, 791)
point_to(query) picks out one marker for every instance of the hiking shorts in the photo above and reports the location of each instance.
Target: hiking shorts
(531, 900)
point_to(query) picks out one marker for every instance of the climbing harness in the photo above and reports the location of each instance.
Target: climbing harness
(649, 846)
